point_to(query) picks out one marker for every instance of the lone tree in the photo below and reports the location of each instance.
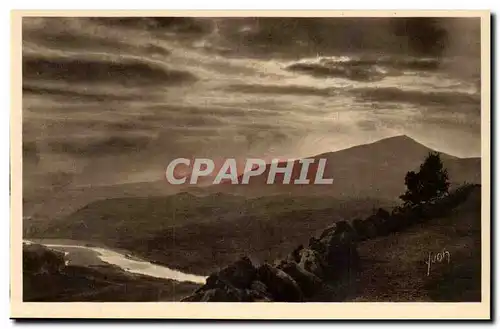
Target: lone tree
(431, 181)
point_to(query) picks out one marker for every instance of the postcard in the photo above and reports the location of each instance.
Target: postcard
(250, 165)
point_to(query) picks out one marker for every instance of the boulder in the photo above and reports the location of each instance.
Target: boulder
(195, 297)
(382, 213)
(343, 227)
(253, 296)
(294, 256)
(382, 221)
(240, 274)
(280, 285)
(341, 249)
(340, 228)
(256, 293)
(259, 292)
(230, 279)
(316, 245)
(38, 259)
(364, 229)
(227, 294)
(307, 281)
(312, 261)
(212, 282)
(260, 287)
(329, 230)
(379, 224)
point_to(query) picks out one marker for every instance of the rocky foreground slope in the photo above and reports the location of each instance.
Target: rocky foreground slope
(327, 262)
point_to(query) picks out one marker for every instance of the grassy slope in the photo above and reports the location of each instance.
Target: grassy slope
(201, 234)
(394, 268)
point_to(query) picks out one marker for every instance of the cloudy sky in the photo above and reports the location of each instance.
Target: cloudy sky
(112, 100)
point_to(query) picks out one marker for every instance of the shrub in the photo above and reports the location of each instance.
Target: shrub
(429, 182)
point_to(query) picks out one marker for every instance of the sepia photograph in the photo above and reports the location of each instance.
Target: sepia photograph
(190, 160)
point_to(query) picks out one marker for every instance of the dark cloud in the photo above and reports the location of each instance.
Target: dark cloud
(78, 35)
(366, 68)
(107, 146)
(456, 100)
(182, 25)
(281, 90)
(75, 95)
(227, 112)
(426, 36)
(304, 35)
(68, 40)
(117, 125)
(292, 36)
(127, 72)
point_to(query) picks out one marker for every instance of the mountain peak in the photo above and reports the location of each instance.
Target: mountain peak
(401, 138)
(399, 142)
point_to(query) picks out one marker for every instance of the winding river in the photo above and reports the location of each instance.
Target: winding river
(131, 265)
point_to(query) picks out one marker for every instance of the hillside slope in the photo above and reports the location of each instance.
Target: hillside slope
(424, 253)
(394, 267)
(201, 234)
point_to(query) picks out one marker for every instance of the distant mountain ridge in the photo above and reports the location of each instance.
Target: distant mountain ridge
(253, 217)
(374, 170)
(369, 170)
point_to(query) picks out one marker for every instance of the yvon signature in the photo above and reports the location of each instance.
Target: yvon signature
(440, 257)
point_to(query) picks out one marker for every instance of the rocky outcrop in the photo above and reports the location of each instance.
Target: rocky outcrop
(259, 292)
(340, 250)
(294, 256)
(219, 294)
(239, 274)
(282, 286)
(364, 229)
(229, 284)
(307, 281)
(326, 260)
(38, 259)
(243, 282)
(298, 276)
(312, 261)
